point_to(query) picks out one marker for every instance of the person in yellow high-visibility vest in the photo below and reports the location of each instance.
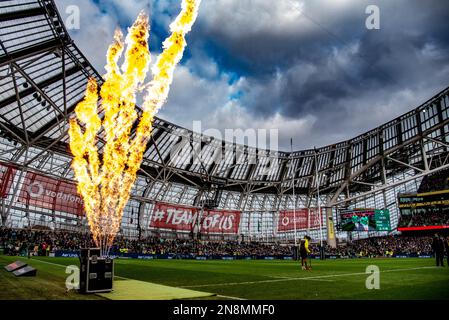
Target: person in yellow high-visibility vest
(304, 252)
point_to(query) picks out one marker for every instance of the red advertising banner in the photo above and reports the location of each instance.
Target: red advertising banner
(314, 217)
(305, 218)
(182, 218)
(6, 178)
(167, 216)
(49, 193)
(220, 221)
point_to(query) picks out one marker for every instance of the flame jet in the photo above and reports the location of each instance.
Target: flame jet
(105, 181)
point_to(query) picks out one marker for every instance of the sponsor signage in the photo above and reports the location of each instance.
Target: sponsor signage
(74, 254)
(305, 218)
(49, 193)
(420, 228)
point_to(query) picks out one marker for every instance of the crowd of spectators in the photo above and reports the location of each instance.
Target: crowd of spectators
(382, 247)
(425, 218)
(39, 242)
(44, 242)
(436, 181)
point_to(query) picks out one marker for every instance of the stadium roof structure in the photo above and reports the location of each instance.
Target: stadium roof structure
(43, 76)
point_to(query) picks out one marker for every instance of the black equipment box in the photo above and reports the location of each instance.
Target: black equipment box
(96, 273)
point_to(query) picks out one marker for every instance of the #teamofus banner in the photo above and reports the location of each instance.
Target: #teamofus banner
(45, 192)
(6, 177)
(182, 218)
(220, 221)
(305, 218)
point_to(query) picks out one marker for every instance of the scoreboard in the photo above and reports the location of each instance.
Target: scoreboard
(424, 211)
(382, 218)
(365, 220)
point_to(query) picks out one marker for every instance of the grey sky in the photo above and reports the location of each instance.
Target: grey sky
(308, 68)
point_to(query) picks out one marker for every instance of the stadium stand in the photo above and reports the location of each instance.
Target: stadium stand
(44, 76)
(434, 182)
(198, 197)
(41, 243)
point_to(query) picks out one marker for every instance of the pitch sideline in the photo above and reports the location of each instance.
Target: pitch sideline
(318, 278)
(62, 265)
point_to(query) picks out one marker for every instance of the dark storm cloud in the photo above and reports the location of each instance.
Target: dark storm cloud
(337, 70)
(310, 63)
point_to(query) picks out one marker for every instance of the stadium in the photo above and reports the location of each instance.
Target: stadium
(209, 218)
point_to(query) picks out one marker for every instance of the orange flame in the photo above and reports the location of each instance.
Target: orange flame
(105, 185)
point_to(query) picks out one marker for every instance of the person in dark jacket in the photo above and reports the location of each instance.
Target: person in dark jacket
(438, 249)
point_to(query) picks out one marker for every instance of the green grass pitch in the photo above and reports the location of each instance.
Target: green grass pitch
(246, 279)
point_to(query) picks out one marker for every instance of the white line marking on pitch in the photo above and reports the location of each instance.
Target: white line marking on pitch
(62, 265)
(229, 297)
(54, 264)
(317, 278)
(303, 278)
(291, 278)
